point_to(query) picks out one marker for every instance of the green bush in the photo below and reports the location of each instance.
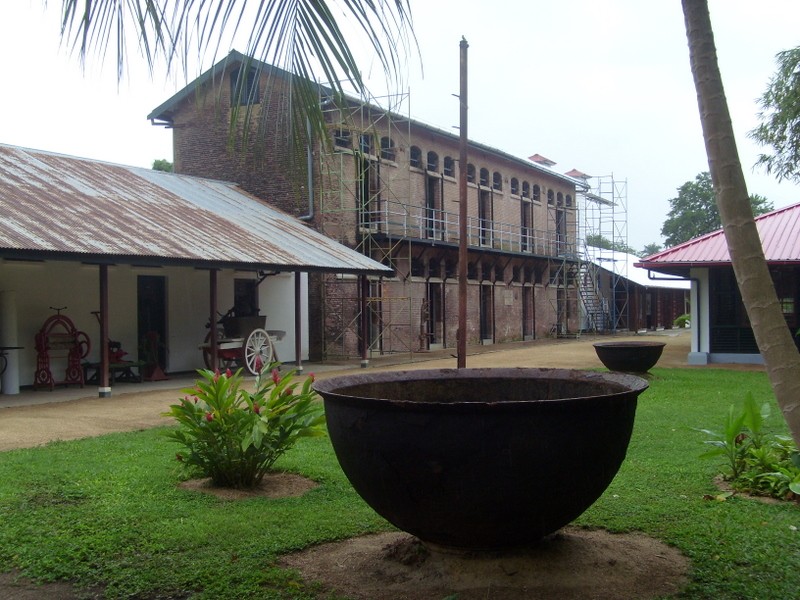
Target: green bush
(234, 436)
(682, 321)
(757, 462)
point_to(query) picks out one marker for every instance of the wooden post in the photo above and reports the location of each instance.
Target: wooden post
(212, 303)
(298, 321)
(104, 391)
(364, 338)
(461, 334)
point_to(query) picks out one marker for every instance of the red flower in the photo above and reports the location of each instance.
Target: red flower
(209, 417)
(311, 376)
(216, 375)
(228, 373)
(256, 408)
(259, 364)
(276, 376)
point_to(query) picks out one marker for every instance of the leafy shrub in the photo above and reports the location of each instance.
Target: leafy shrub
(234, 436)
(757, 462)
(682, 321)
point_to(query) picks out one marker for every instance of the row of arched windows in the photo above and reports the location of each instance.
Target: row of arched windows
(430, 162)
(488, 272)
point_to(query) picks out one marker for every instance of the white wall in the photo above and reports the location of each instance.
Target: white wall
(38, 286)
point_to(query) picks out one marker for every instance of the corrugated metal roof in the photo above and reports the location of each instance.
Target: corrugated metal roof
(779, 231)
(55, 205)
(623, 265)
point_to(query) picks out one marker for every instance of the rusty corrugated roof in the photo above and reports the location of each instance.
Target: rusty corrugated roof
(57, 206)
(780, 237)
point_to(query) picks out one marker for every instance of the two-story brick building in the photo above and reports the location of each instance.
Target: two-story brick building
(387, 185)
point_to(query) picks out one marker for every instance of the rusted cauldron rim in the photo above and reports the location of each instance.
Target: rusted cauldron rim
(629, 344)
(628, 384)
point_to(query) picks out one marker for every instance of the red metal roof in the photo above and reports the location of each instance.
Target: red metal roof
(541, 160)
(780, 237)
(577, 174)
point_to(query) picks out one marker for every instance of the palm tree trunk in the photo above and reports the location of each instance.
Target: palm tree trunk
(752, 274)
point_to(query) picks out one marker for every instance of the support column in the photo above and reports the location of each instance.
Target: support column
(104, 391)
(364, 337)
(212, 307)
(8, 339)
(298, 321)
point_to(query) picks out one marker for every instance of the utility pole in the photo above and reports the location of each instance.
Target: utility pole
(462, 214)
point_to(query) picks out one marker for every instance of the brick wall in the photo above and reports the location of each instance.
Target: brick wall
(397, 192)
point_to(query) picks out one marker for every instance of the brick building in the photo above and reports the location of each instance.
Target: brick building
(387, 185)
(618, 296)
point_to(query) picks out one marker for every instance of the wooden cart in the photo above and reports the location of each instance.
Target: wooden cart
(242, 342)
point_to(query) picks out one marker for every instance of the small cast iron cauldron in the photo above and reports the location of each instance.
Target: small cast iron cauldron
(630, 357)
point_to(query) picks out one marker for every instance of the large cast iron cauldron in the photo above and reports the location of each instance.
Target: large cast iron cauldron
(631, 357)
(480, 458)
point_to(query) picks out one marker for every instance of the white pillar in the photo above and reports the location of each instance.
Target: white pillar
(8, 337)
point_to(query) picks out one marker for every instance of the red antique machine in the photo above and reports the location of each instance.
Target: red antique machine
(58, 338)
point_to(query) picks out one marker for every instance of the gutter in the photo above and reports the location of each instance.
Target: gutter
(310, 176)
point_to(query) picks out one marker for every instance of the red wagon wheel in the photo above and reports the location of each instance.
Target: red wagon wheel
(258, 348)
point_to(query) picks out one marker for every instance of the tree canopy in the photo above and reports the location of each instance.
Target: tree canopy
(600, 241)
(651, 249)
(694, 211)
(779, 127)
(162, 164)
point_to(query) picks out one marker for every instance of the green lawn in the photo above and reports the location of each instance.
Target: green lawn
(106, 511)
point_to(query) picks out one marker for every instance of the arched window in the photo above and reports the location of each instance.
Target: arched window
(417, 267)
(484, 177)
(365, 143)
(470, 173)
(515, 186)
(472, 271)
(415, 157)
(434, 268)
(433, 161)
(341, 137)
(526, 189)
(569, 200)
(551, 197)
(537, 193)
(560, 199)
(449, 166)
(527, 274)
(497, 180)
(486, 271)
(245, 88)
(387, 149)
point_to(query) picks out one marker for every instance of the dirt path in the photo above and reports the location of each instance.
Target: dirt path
(37, 424)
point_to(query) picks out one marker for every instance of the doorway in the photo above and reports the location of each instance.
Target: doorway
(151, 299)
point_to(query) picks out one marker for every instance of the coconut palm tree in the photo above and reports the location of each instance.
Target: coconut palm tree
(758, 292)
(304, 37)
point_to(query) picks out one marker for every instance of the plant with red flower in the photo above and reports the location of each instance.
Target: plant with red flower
(234, 436)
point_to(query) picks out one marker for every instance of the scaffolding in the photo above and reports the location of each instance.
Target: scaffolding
(358, 185)
(564, 265)
(603, 232)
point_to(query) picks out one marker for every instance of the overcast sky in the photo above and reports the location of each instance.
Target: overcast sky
(601, 86)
